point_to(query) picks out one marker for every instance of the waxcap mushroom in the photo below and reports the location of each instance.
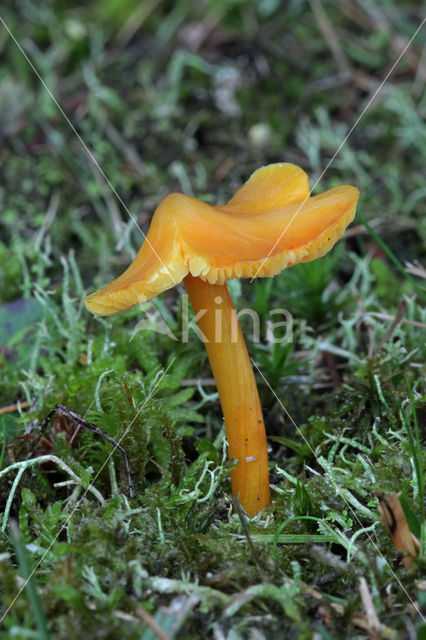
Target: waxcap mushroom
(269, 224)
(243, 238)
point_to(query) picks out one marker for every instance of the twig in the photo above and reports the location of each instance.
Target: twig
(330, 37)
(191, 382)
(397, 320)
(48, 221)
(114, 211)
(242, 517)
(149, 620)
(387, 316)
(85, 424)
(331, 365)
(369, 328)
(14, 407)
(129, 150)
(416, 269)
(135, 22)
(372, 618)
(127, 617)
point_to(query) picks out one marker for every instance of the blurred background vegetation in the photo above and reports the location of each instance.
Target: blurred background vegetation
(194, 96)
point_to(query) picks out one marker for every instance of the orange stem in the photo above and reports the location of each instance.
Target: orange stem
(230, 362)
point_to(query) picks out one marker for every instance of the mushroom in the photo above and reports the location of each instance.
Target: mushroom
(270, 223)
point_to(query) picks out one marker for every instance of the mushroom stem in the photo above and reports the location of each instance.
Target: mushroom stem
(230, 362)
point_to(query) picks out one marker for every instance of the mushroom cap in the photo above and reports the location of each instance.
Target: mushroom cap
(269, 224)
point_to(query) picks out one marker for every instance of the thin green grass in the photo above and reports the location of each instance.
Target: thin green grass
(30, 583)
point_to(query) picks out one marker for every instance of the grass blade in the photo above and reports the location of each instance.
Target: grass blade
(31, 587)
(392, 257)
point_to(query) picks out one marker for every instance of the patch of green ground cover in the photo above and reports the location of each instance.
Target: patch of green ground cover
(160, 117)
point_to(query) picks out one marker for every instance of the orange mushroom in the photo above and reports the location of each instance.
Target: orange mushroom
(271, 223)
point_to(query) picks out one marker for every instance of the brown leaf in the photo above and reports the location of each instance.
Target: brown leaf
(392, 515)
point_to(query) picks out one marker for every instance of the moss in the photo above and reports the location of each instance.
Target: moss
(352, 378)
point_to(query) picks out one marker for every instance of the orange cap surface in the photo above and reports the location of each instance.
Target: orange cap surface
(270, 223)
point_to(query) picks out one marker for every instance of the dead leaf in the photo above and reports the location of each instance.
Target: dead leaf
(392, 516)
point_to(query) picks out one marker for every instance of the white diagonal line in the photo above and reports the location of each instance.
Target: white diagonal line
(84, 145)
(85, 492)
(377, 91)
(349, 506)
